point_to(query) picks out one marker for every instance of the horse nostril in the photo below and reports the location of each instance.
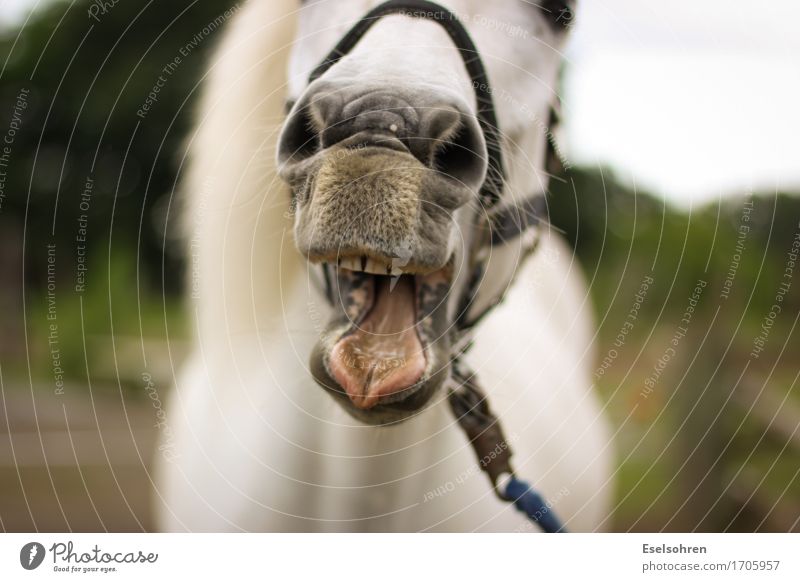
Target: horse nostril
(461, 156)
(299, 138)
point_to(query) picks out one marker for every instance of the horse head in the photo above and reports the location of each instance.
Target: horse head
(392, 148)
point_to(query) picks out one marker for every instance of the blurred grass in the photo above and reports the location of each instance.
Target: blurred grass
(715, 445)
(118, 328)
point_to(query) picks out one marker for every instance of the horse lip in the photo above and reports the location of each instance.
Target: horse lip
(385, 413)
(365, 141)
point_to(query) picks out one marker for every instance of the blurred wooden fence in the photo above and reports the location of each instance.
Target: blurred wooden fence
(75, 462)
(778, 419)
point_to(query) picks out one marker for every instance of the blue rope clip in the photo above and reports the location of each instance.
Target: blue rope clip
(526, 499)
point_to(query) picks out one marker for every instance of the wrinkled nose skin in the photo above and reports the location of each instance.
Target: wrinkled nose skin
(382, 118)
(378, 171)
(435, 130)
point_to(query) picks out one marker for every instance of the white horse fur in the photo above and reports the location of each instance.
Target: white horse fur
(251, 442)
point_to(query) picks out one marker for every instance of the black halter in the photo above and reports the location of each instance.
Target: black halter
(505, 224)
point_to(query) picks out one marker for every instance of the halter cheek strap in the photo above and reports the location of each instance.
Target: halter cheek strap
(504, 224)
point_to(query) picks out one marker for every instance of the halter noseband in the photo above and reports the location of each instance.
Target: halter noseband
(505, 223)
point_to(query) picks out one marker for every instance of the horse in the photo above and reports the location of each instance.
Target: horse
(334, 207)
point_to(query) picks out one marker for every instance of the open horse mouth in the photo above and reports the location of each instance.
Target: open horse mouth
(385, 348)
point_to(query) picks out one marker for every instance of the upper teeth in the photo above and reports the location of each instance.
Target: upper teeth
(365, 264)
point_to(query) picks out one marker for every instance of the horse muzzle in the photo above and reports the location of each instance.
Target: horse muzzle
(377, 184)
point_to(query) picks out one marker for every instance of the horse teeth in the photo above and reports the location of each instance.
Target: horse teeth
(351, 264)
(364, 264)
(374, 267)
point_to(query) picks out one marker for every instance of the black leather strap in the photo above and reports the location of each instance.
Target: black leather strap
(512, 220)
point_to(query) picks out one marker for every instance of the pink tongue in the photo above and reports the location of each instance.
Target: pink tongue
(383, 356)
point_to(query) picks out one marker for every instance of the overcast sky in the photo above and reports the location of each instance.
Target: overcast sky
(693, 99)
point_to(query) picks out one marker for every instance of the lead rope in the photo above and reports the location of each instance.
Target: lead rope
(493, 450)
(466, 399)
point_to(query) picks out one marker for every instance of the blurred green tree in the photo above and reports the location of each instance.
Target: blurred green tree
(88, 68)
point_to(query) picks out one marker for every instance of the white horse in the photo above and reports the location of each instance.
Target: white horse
(250, 441)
